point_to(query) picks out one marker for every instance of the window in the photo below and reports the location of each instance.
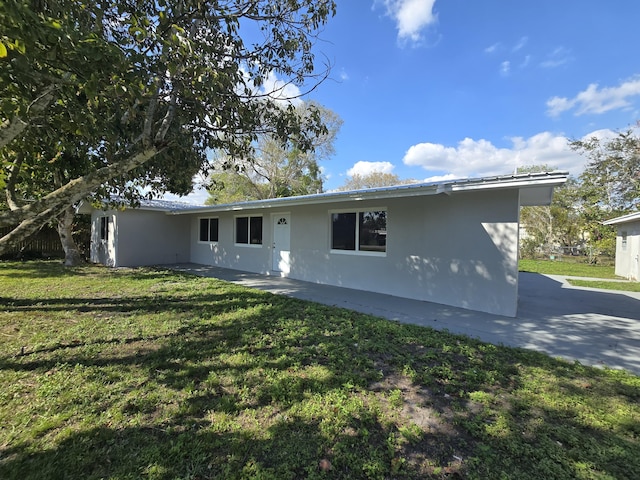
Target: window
(208, 230)
(249, 230)
(104, 228)
(623, 242)
(359, 231)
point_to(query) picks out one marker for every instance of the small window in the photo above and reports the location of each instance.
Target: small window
(249, 230)
(208, 230)
(104, 228)
(623, 242)
(361, 231)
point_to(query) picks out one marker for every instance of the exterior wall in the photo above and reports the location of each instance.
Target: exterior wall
(459, 250)
(628, 256)
(140, 237)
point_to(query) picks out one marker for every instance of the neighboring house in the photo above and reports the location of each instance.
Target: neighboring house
(627, 245)
(454, 242)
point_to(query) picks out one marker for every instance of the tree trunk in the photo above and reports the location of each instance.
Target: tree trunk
(72, 255)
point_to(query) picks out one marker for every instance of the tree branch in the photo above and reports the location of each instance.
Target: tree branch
(11, 129)
(76, 189)
(12, 179)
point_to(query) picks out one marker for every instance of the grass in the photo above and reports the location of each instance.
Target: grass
(153, 374)
(569, 267)
(624, 286)
(579, 269)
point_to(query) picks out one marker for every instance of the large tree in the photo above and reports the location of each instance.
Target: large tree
(277, 169)
(613, 172)
(372, 180)
(609, 185)
(142, 88)
(559, 224)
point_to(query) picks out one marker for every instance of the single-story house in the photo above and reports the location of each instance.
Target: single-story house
(452, 242)
(627, 245)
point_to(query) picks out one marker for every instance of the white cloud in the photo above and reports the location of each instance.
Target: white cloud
(411, 17)
(280, 90)
(557, 58)
(521, 43)
(365, 168)
(477, 158)
(596, 100)
(441, 178)
(492, 48)
(505, 67)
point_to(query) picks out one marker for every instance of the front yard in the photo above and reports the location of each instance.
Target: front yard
(142, 373)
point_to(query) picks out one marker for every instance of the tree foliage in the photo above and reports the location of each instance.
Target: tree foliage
(373, 180)
(134, 94)
(612, 177)
(547, 227)
(278, 169)
(608, 187)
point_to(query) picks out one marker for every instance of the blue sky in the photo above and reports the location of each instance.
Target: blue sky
(440, 89)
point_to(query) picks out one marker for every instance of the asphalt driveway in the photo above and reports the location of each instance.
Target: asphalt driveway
(594, 327)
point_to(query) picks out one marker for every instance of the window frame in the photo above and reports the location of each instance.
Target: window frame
(249, 226)
(356, 251)
(208, 219)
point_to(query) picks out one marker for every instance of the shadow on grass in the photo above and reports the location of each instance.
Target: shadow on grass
(253, 385)
(37, 269)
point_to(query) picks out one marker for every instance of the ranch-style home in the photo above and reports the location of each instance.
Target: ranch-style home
(452, 242)
(627, 245)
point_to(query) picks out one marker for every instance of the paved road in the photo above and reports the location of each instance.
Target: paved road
(594, 327)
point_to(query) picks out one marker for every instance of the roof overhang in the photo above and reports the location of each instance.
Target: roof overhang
(632, 217)
(535, 189)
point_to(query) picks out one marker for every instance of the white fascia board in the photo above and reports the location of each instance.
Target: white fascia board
(631, 217)
(319, 199)
(401, 191)
(551, 181)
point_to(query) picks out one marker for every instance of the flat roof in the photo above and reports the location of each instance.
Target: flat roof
(631, 217)
(536, 189)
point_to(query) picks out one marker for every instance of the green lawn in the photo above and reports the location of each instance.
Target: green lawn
(127, 374)
(569, 267)
(624, 286)
(579, 269)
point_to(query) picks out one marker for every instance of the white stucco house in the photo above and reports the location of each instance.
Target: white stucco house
(627, 245)
(452, 242)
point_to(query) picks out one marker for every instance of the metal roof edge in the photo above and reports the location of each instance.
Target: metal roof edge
(630, 217)
(524, 180)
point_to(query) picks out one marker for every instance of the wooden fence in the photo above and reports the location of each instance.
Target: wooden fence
(44, 244)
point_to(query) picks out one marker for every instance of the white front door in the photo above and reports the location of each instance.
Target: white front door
(281, 242)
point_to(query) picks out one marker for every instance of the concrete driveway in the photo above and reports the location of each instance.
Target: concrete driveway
(594, 327)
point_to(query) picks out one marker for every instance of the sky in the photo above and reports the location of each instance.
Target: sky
(442, 89)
